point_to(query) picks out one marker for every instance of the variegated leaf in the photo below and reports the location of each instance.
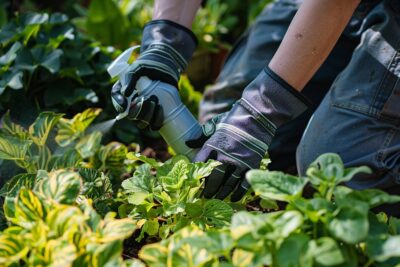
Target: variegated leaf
(13, 148)
(88, 145)
(12, 128)
(70, 129)
(60, 186)
(42, 126)
(28, 209)
(12, 249)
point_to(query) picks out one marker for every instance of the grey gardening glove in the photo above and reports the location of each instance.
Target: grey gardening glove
(242, 136)
(164, 53)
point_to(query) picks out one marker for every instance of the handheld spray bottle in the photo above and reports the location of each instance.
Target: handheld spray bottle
(179, 124)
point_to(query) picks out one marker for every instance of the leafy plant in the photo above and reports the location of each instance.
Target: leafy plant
(164, 197)
(51, 224)
(33, 150)
(46, 64)
(333, 228)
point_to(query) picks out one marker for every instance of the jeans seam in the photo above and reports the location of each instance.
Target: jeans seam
(381, 155)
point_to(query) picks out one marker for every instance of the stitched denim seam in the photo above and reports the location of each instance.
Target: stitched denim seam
(381, 155)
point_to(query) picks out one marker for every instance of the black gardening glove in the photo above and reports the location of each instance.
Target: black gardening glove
(165, 50)
(242, 136)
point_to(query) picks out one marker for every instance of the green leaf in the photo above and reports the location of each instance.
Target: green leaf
(350, 224)
(70, 130)
(52, 61)
(173, 181)
(138, 157)
(293, 252)
(28, 209)
(32, 18)
(142, 180)
(60, 186)
(327, 252)
(44, 123)
(201, 170)
(116, 229)
(88, 145)
(284, 223)
(217, 213)
(13, 129)
(275, 185)
(244, 222)
(13, 148)
(374, 197)
(12, 249)
(12, 80)
(151, 227)
(11, 54)
(383, 248)
(14, 185)
(70, 158)
(329, 167)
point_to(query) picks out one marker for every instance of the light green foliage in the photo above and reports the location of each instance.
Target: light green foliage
(333, 228)
(163, 198)
(47, 226)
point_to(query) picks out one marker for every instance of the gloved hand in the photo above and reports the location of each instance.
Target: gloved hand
(242, 136)
(165, 50)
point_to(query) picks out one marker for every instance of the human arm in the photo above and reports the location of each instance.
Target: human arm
(167, 45)
(243, 136)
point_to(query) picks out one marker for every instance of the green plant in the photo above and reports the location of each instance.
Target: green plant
(46, 64)
(35, 149)
(164, 197)
(333, 228)
(51, 224)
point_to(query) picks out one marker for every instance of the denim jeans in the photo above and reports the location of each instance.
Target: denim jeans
(255, 49)
(359, 118)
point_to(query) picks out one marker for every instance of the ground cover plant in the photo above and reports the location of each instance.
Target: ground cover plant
(80, 199)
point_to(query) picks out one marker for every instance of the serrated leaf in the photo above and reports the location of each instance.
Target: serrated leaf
(42, 126)
(276, 185)
(173, 181)
(60, 186)
(142, 180)
(202, 169)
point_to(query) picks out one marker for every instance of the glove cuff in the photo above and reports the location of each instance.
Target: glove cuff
(173, 43)
(269, 96)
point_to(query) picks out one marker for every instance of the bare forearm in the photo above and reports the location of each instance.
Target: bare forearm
(179, 11)
(310, 38)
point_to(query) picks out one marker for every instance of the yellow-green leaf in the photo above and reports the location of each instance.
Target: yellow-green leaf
(12, 249)
(13, 148)
(42, 126)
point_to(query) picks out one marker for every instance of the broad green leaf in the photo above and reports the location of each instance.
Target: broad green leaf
(28, 209)
(202, 169)
(52, 61)
(41, 128)
(66, 221)
(217, 213)
(383, 248)
(13, 129)
(174, 179)
(12, 79)
(11, 54)
(69, 159)
(350, 224)
(12, 249)
(112, 155)
(60, 186)
(88, 145)
(326, 252)
(293, 252)
(13, 186)
(154, 255)
(71, 129)
(114, 229)
(374, 197)
(275, 185)
(142, 180)
(194, 210)
(329, 167)
(31, 18)
(244, 222)
(284, 223)
(151, 227)
(394, 225)
(60, 252)
(138, 157)
(106, 254)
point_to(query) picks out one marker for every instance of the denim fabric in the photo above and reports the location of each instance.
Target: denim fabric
(255, 49)
(360, 116)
